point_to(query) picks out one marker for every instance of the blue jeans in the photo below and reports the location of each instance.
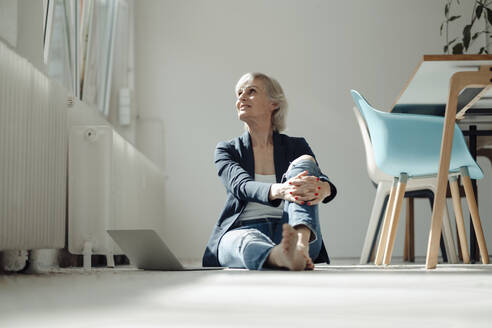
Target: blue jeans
(248, 243)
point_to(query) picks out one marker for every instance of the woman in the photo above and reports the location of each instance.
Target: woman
(274, 186)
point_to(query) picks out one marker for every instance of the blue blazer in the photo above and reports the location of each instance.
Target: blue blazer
(234, 161)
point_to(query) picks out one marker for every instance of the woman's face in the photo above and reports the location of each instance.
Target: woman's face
(253, 102)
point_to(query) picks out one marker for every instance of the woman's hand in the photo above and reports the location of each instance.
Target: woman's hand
(301, 189)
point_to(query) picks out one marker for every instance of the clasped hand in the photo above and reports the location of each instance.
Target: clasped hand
(302, 189)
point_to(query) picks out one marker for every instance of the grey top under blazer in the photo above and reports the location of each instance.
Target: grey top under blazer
(234, 161)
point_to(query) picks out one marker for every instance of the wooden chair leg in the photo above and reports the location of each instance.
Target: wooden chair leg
(395, 216)
(407, 232)
(386, 222)
(412, 232)
(460, 255)
(460, 223)
(409, 246)
(472, 205)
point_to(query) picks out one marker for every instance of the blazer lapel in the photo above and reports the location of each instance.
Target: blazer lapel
(247, 153)
(279, 157)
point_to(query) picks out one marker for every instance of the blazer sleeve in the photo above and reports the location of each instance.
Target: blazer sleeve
(236, 180)
(306, 150)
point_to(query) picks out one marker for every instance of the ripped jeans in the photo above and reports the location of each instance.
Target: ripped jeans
(249, 243)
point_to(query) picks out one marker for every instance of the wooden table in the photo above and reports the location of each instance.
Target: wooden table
(439, 80)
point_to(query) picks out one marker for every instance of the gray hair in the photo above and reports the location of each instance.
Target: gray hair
(274, 92)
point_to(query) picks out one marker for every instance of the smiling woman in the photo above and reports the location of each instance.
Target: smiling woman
(274, 186)
(268, 87)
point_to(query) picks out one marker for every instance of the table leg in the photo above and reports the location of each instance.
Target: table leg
(472, 144)
(458, 82)
(442, 177)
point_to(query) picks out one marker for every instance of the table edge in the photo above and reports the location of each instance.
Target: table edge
(441, 57)
(455, 57)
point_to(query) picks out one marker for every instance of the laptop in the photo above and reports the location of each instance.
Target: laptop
(147, 251)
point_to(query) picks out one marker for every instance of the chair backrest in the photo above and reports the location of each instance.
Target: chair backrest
(375, 174)
(372, 131)
(369, 113)
(411, 143)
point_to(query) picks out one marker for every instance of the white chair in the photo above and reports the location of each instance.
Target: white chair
(384, 183)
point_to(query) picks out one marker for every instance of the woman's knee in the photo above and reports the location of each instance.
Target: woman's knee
(304, 158)
(304, 162)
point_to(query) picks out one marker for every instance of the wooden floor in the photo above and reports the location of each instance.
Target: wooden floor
(339, 295)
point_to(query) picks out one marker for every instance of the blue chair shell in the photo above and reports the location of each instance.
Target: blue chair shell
(408, 143)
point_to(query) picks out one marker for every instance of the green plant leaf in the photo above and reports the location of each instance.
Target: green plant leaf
(458, 49)
(452, 18)
(467, 36)
(489, 15)
(449, 43)
(478, 11)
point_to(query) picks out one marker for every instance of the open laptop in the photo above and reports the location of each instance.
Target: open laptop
(146, 250)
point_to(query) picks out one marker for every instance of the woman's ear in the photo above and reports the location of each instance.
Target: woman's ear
(274, 106)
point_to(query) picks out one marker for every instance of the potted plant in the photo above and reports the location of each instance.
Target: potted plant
(481, 13)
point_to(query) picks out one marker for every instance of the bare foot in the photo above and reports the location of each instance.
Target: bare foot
(287, 254)
(303, 237)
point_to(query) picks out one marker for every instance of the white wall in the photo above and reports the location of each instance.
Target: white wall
(189, 55)
(30, 32)
(21, 27)
(8, 22)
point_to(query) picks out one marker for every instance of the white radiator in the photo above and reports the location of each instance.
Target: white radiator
(33, 161)
(111, 186)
